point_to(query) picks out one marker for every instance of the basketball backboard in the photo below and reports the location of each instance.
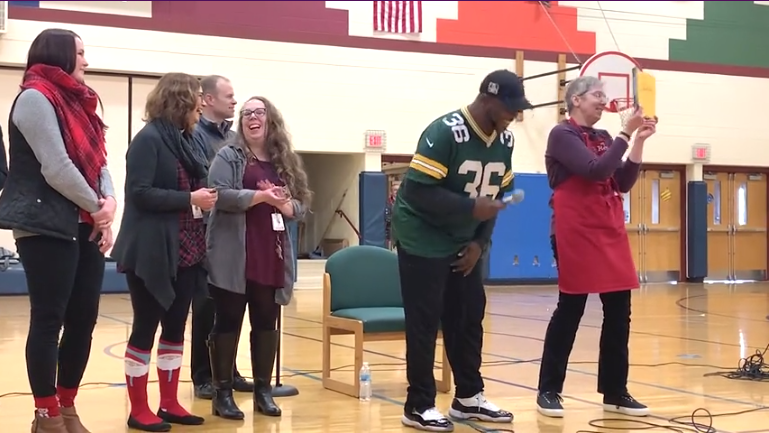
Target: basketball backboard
(615, 70)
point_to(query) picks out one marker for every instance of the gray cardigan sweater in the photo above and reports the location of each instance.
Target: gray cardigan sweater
(226, 231)
(36, 119)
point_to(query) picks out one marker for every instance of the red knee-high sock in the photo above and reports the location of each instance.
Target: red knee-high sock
(137, 368)
(66, 396)
(47, 407)
(169, 365)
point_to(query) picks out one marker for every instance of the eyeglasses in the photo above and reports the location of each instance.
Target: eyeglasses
(258, 112)
(599, 95)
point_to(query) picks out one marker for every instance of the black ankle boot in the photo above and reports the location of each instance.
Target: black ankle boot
(222, 348)
(264, 347)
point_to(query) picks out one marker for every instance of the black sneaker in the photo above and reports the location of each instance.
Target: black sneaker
(429, 420)
(204, 391)
(549, 404)
(479, 409)
(240, 384)
(624, 404)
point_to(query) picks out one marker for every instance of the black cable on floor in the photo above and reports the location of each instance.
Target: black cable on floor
(681, 424)
(752, 368)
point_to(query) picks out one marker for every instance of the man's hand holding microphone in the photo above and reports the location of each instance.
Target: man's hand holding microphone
(487, 208)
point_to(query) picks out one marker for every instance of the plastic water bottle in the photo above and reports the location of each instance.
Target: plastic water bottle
(365, 382)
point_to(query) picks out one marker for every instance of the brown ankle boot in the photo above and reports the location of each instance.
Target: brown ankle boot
(49, 425)
(72, 420)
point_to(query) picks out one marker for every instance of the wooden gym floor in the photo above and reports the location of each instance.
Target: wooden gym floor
(672, 325)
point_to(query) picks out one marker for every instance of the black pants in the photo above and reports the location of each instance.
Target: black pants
(64, 280)
(434, 295)
(613, 356)
(203, 311)
(148, 313)
(230, 308)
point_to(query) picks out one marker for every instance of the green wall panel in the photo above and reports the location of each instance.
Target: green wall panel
(733, 33)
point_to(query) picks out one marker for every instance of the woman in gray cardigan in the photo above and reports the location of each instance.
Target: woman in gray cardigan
(260, 183)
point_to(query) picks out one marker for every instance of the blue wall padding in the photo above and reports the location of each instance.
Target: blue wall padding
(520, 245)
(697, 230)
(372, 190)
(13, 281)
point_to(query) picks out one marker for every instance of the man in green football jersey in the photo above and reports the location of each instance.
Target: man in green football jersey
(442, 222)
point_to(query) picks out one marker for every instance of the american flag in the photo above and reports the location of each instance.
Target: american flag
(398, 17)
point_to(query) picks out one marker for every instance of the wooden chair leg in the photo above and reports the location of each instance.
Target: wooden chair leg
(326, 367)
(343, 387)
(358, 359)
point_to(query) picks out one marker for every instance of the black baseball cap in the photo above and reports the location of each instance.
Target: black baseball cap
(508, 88)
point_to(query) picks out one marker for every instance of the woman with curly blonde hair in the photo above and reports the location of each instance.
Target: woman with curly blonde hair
(161, 246)
(260, 183)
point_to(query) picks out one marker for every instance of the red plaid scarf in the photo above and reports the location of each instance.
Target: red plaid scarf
(81, 128)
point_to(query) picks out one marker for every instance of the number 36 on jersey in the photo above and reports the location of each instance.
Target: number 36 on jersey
(456, 154)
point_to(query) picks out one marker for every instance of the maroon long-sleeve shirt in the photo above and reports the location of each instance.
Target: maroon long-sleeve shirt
(567, 155)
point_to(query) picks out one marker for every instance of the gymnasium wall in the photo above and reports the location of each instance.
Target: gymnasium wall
(706, 56)
(333, 77)
(400, 92)
(334, 180)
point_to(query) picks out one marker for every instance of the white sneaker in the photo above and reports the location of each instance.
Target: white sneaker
(479, 409)
(429, 420)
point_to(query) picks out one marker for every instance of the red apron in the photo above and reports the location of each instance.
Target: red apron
(593, 248)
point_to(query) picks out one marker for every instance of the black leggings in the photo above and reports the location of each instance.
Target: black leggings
(148, 313)
(230, 307)
(64, 280)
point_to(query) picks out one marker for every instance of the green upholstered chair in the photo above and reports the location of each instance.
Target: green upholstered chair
(362, 297)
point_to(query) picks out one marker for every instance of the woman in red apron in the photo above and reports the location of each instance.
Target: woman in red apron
(588, 176)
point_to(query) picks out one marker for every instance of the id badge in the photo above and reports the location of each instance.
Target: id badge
(277, 222)
(197, 212)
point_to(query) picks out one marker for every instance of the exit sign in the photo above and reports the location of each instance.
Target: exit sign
(701, 152)
(375, 140)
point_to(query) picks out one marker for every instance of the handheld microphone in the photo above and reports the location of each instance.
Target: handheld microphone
(514, 198)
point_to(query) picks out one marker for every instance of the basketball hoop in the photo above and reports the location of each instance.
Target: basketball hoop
(615, 70)
(625, 107)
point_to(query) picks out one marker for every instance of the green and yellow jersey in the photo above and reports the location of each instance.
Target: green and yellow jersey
(453, 153)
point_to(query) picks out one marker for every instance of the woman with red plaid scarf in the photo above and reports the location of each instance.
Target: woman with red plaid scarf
(161, 245)
(59, 202)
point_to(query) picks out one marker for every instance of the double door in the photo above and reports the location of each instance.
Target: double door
(737, 235)
(653, 223)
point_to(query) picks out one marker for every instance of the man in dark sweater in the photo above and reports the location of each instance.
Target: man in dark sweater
(212, 132)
